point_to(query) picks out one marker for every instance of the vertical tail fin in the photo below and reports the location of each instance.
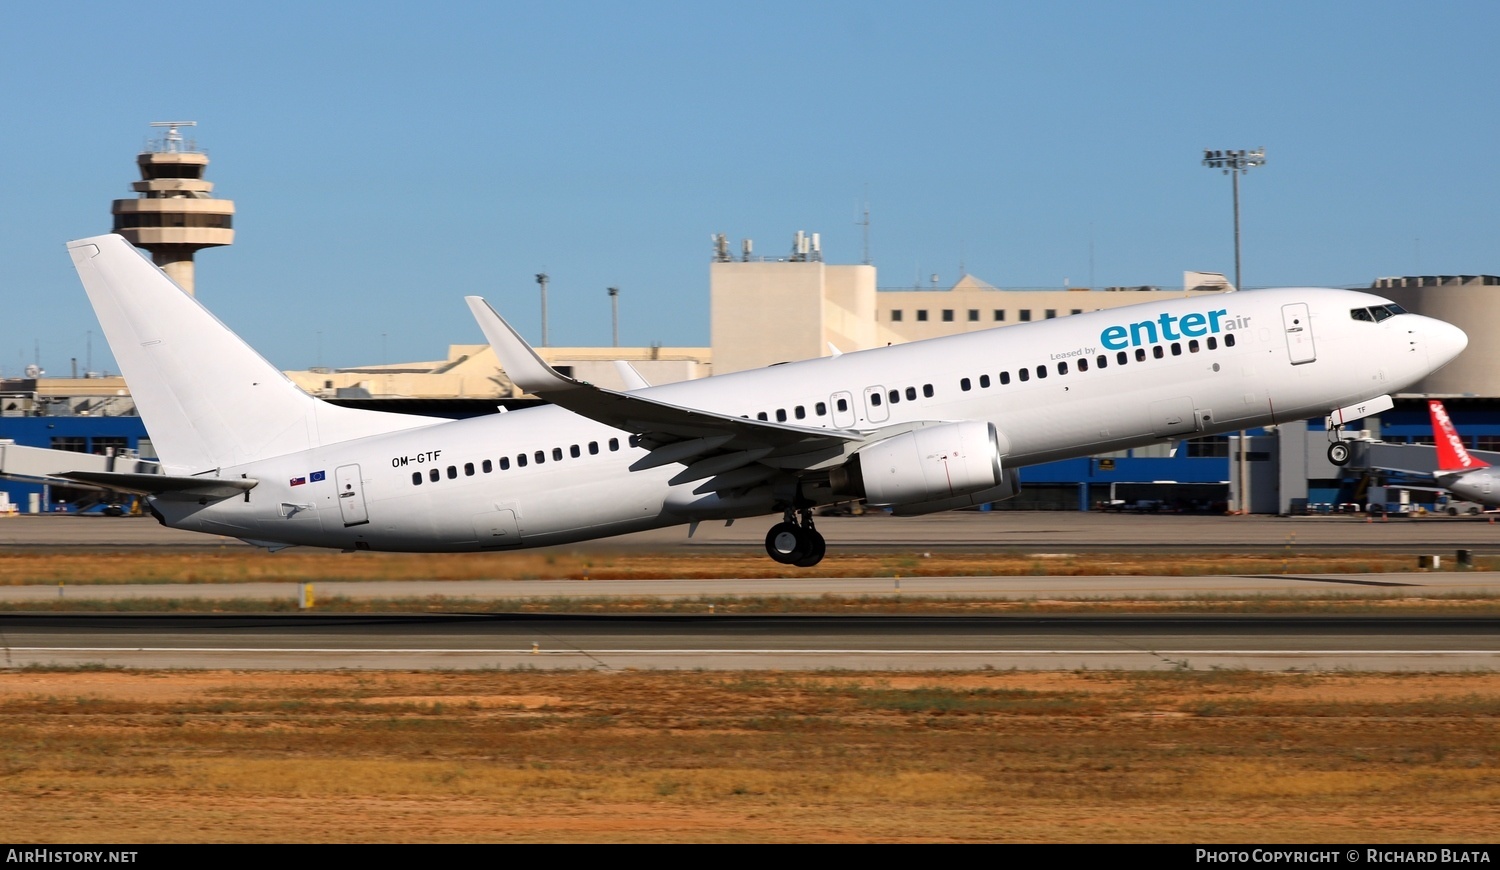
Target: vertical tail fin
(207, 398)
(1452, 456)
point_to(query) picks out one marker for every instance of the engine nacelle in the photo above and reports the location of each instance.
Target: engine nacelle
(926, 465)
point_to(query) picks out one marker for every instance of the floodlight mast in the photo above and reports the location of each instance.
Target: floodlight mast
(541, 280)
(614, 304)
(1234, 164)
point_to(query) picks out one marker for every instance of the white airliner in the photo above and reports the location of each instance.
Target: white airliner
(921, 427)
(1467, 477)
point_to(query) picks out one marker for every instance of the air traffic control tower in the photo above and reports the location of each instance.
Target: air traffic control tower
(175, 213)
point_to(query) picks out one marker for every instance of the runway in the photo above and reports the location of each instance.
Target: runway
(792, 643)
(1010, 531)
(727, 641)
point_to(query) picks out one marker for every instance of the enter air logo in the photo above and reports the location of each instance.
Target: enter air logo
(1170, 327)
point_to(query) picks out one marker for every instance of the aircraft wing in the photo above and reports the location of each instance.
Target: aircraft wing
(673, 433)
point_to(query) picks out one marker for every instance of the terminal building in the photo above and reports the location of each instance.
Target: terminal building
(766, 310)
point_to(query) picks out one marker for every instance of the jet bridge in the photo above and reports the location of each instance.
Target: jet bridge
(45, 466)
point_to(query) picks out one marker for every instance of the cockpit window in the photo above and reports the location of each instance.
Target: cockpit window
(1376, 313)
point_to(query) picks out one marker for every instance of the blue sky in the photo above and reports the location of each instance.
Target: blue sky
(387, 159)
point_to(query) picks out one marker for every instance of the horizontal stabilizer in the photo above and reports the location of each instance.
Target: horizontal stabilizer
(165, 484)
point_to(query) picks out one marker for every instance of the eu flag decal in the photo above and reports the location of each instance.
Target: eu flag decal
(316, 476)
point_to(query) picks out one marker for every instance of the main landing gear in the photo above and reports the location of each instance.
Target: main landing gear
(794, 542)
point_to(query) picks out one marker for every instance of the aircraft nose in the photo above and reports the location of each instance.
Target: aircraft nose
(1444, 342)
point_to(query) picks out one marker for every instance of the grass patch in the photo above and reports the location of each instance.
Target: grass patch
(703, 756)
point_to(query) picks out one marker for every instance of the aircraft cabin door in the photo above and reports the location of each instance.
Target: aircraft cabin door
(351, 495)
(843, 409)
(1299, 337)
(875, 407)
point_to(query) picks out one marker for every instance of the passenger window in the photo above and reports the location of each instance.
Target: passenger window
(452, 472)
(520, 460)
(1192, 345)
(874, 400)
(468, 469)
(540, 456)
(557, 454)
(799, 412)
(614, 444)
(963, 384)
(1158, 352)
(593, 448)
(1213, 343)
(416, 478)
(895, 396)
(1229, 339)
(1024, 374)
(781, 415)
(574, 451)
(843, 404)
(1121, 358)
(487, 466)
(1102, 362)
(1004, 378)
(1140, 354)
(434, 475)
(635, 440)
(1062, 368)
(760, 415)
(1176, 348)
(911, 394)
(1041, 372)
(984, 382)
(1083, 363)
(505, 463)
(820, 409)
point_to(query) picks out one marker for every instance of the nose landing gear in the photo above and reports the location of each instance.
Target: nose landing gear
(1338, 448)
(794, 542)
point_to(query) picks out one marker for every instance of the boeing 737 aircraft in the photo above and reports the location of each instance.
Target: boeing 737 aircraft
(1463, 475)
(921, 427)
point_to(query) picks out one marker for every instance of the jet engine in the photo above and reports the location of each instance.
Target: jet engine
(933, 464)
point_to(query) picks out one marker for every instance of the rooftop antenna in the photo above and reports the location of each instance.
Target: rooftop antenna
(172, 142)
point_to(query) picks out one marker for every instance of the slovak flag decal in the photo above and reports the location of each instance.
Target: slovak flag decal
(298, 481)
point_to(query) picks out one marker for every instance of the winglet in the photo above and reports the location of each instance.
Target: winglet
(526, 369)
(1452, 455)
(632, 378)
